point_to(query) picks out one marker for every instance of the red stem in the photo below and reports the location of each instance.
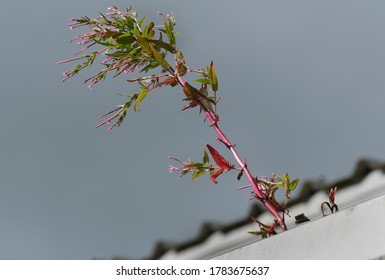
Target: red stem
(245, 169)
(242, 164)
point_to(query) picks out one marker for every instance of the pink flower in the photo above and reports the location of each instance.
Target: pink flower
(173, 168)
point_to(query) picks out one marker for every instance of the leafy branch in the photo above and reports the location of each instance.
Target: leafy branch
(128, 45)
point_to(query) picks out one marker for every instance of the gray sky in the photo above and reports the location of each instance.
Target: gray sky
(303, 92)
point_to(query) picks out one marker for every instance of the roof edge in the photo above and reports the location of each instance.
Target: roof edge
(308, 188)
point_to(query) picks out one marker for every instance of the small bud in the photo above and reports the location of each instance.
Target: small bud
(173, 168)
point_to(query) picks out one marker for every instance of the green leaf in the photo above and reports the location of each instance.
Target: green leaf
(169, 31)
(206, 158)
(213, 77)
(126, 94)
(182, 69)
(191, 92)
(140, 98)
(159, 57)
(125, 108)
(148, 32)
(197, 173)
(180, 56)
(293, 184)
(257, 233)
(129, 23)
(137, 31)
(203, 90)
(126, 39)
(163, 45)
(206, 101)
(202, 81)
(208, 105)
(141, 21)
(117, 54)
(144, 45)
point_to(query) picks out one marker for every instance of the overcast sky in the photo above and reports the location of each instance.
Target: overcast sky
(303, 92)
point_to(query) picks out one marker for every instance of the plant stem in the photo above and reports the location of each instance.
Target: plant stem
(222, 137)
(245, 169)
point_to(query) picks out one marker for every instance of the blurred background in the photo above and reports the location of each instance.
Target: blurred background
(302, 86)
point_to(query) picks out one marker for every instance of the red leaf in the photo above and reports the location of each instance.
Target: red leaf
(271, 230)
(265, 230)
(190, 166)
(332, 194)
(191, 92)
(214, 175)
(192, 104)
(220, 160)
(169, 81)
(276, 205)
